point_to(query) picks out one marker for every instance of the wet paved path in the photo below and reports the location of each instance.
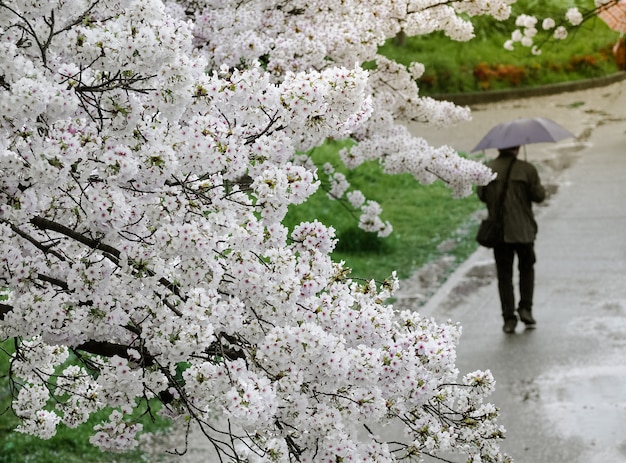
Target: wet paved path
(562, 387)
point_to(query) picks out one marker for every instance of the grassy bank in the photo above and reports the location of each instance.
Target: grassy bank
(483, 64)
(423, 216)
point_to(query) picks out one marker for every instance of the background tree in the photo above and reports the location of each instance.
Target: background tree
(148, 154)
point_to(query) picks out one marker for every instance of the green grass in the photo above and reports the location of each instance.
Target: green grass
(422, 217)
(483, 63)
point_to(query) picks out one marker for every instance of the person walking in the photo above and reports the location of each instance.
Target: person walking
(523, 187)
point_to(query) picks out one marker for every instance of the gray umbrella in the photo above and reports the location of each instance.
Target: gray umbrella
(523, 132)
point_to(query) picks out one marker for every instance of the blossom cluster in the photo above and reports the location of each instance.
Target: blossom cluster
(528, 27)
(149, 152)
(325, 33)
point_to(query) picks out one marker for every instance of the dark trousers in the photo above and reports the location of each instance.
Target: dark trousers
(504, 255)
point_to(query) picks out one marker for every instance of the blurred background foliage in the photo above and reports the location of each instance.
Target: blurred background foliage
(483, 64)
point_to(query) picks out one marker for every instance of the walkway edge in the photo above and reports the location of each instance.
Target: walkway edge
(495, 96)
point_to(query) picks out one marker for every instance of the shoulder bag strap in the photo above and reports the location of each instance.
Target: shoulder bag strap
(500, 205)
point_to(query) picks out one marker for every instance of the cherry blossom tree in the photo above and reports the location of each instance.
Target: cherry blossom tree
(148, 155)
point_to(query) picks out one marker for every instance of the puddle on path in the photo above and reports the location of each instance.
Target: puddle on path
(589, 403)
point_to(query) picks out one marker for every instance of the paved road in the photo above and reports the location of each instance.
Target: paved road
(562, 387)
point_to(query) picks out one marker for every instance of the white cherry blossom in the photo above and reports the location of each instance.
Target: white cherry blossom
(149, 152)
(558, 29)
(574, 16)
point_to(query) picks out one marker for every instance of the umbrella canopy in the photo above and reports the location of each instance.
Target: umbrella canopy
(614, 15)
(523, 132)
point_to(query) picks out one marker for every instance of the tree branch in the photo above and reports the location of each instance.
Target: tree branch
(5, 309)
(45, 224)
(117, 81)
(109, 252)
(46, 249)
(110, 349)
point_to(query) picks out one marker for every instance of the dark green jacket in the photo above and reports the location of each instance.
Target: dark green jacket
(524, 189)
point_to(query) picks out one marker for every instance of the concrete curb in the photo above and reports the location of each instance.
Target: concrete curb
(468, 99)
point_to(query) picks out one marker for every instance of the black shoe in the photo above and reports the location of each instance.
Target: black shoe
(509, 325)
(526, 316)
